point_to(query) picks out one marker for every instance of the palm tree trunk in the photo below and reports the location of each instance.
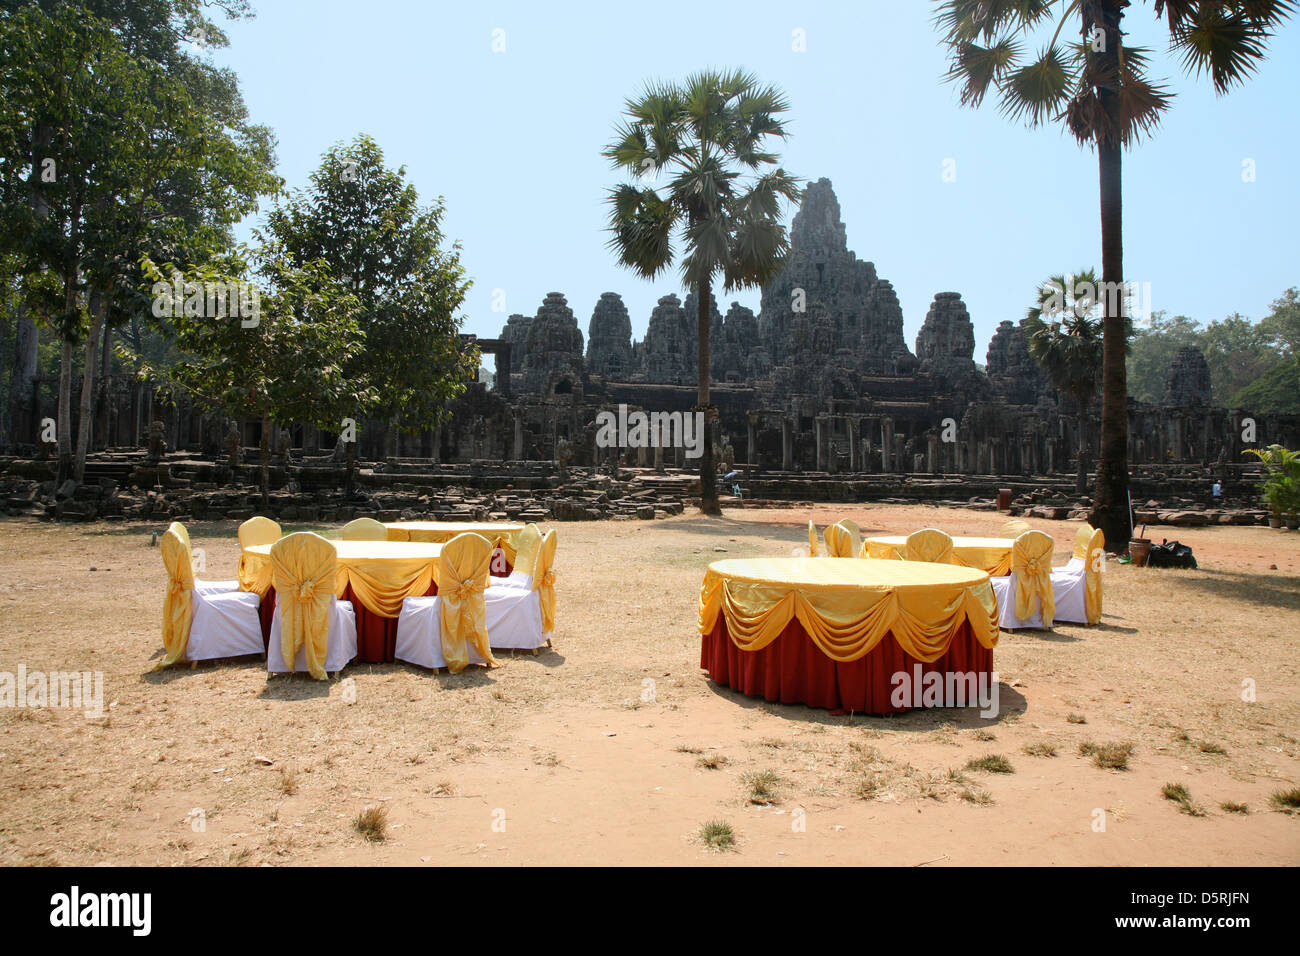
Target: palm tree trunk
(86, 415)
(1110, 510)
(1081, 479)
(708, 480)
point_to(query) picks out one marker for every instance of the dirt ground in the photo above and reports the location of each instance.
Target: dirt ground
(615, 748)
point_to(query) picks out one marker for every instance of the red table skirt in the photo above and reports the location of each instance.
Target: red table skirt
(376, 634)
(792, 670)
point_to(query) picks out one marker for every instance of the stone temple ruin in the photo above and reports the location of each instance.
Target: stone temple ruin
(819, 397)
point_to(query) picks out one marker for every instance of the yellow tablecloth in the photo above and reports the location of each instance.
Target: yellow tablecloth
(985, 554)
(382, 573)
(847, 607)
(500, 533)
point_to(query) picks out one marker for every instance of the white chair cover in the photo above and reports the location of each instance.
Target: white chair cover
(419, 633)
(340, 650)
(225, 624)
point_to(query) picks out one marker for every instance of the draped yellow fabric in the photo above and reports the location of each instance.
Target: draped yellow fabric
(303, 567)
(1093, 562)
(178, 605)
(526, 543)
(985, 554)
(1014, 528)
(847, 607)
(364, 529)
(1082, 538)
(253, 571)
(502, 535)
(544, 580)
(839, 542)
(465, 567)
(813, 547)
(930, 544)
(856, 535)
(382, 573)
(1031, 564)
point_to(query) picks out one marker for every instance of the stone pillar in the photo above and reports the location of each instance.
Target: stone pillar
(853, 443)
(752, 443)
(659, 458)
(517, 452)
(821, 456)
(787, 444)
(886, 444)
(900, 454)
(931, 453)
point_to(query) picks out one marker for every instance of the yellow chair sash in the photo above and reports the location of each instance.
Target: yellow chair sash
(178, 605)
(1031, 564)
(364, 529)
(813, 547)
(1092, 567)
(1082, 538)
(253, 571)
(526, 544)
(846, 624)
(839, 542)
(303, 571)
(930, 544)
(544, 580)
(465, 565)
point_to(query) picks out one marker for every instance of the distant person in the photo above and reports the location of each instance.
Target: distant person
(1216, 491)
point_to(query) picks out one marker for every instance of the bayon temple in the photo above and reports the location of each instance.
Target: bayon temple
(818, 397)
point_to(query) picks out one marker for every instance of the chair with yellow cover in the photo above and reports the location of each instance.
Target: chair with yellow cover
(855, 534)
(364, 529)
(1076, 587)
(526, 544)
(204, 587)
(312, 630)
(929, 544)
(1014, 528)
(255, 572)
(839, 542)
(1079, 553)
(519, 618)
(814, 547)
(201, 625)
(450, 629)
(1025, 597)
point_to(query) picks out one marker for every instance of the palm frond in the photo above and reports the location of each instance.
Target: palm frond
(1038, 90)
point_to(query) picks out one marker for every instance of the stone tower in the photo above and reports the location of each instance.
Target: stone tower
(609, 338)
(668, 351)
(553, 360)
(1188, 382)
(1012, 371)
(946, 343)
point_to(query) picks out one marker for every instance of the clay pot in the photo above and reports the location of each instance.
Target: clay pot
(1139, 549)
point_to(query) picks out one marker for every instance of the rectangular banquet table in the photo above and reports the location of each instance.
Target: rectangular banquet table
(502, 534)
(376, 576)
(987, 554)
(833, 632)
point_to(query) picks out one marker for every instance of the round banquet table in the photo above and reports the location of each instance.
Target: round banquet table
(986, 554)
(375, 576)
(833, 632)
(500, 533)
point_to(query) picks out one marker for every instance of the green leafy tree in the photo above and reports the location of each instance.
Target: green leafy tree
(1238, 352)
(1098, 87)
(700, 152)
(1153, 348)
(1065, 338)
(365, 222)
(289, 366)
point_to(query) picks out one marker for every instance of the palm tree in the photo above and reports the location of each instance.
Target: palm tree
(1066, 341)
(1098, 88)
(721, 202)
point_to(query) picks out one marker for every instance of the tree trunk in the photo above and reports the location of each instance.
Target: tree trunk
(264, 446)
(86, 416)
(1110, 510)
(708, 479)
(22, 417)
(1081, 479)
(63, 424)
(347, 481)
(102, 437)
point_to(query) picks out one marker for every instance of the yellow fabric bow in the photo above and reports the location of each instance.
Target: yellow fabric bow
(299, 561)
(464, 565)
(1031, 564)
(178, 605)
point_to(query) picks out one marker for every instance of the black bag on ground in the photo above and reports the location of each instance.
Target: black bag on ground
(1171, 554)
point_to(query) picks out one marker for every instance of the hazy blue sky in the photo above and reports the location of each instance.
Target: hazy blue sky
(512, 141)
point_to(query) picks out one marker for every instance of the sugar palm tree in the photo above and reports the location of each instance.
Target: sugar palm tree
(705, 182)
(1098, 88)
(1065, 338)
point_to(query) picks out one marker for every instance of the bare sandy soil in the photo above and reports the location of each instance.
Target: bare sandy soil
(614, 747)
